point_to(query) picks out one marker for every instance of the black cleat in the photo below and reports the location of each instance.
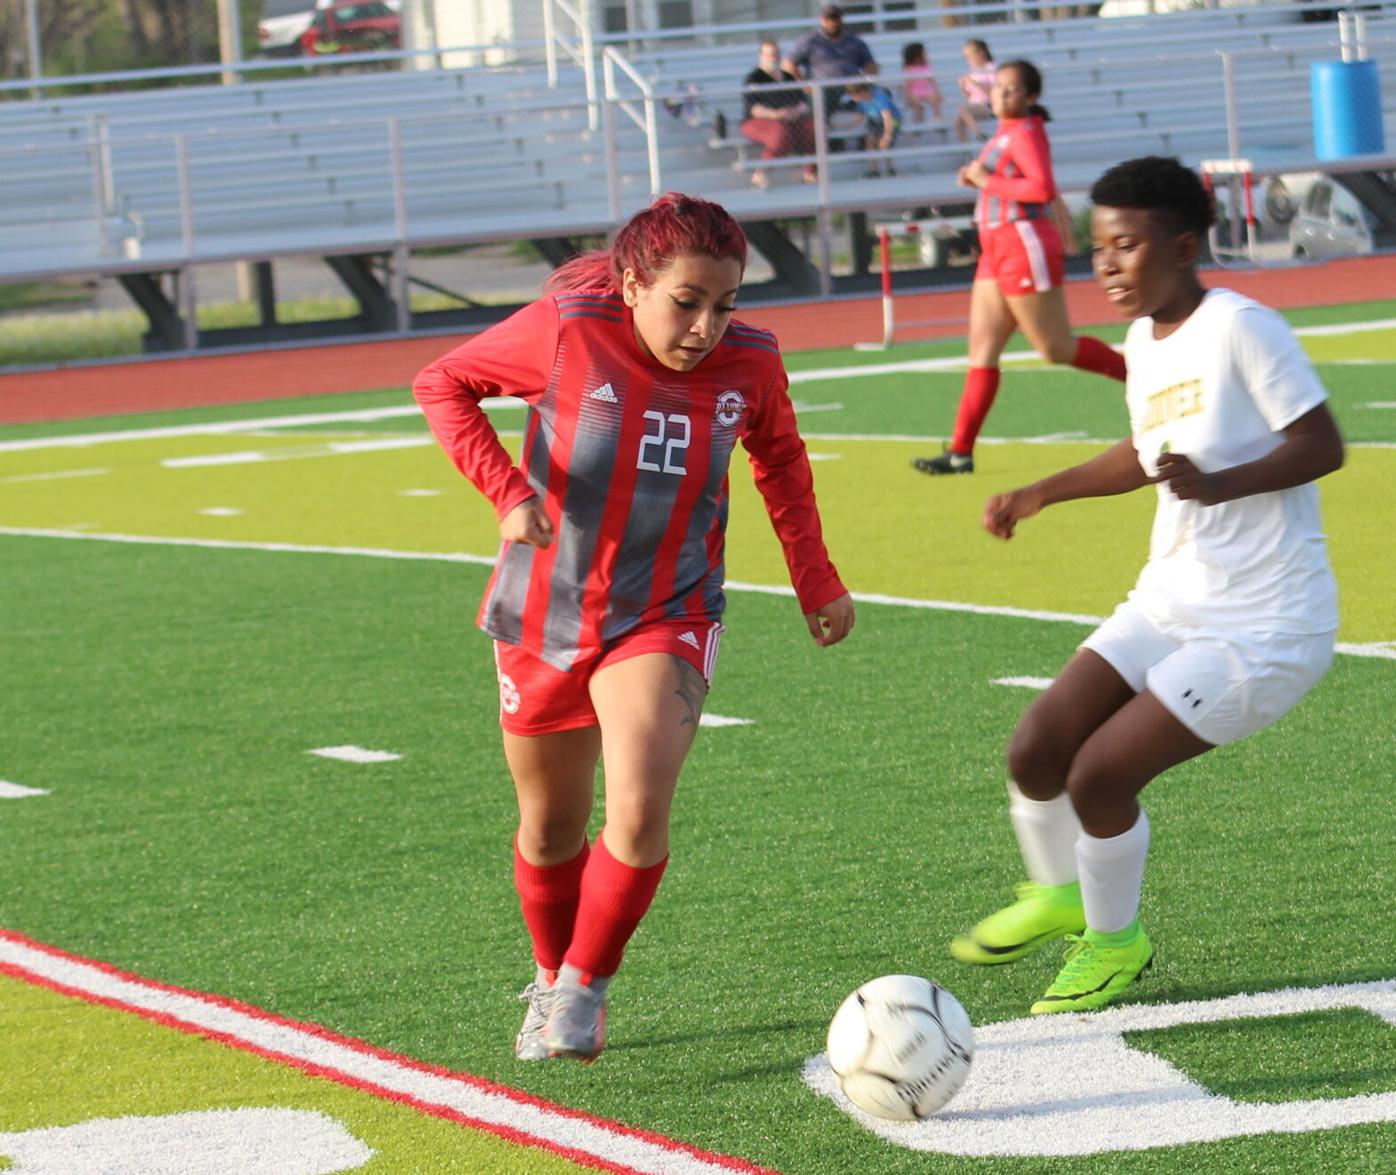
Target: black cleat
(947, 462)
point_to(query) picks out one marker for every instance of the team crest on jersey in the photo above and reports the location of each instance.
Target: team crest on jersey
(730, 406)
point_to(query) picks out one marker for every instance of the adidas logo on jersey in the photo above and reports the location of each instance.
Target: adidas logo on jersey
(689, 639)
(605, 393)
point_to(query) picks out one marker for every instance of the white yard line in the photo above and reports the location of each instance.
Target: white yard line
(458, 1097)
(1385, 650)
(944, 363)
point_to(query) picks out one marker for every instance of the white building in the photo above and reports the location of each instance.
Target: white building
(446, 24)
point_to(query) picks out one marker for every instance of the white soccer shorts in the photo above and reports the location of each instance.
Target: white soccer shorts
(1222, 685)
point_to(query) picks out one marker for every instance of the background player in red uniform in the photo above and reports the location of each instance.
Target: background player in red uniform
(606, 603)
(1018, 283)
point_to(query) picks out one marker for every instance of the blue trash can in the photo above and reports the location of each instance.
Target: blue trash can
(1347, 109)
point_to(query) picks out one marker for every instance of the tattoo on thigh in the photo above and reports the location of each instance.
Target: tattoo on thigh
(692, 690)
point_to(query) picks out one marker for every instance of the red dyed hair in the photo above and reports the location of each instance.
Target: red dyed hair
(675, 225)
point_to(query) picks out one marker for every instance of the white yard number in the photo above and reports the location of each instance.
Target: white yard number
(671, 432)
(1072, 1085)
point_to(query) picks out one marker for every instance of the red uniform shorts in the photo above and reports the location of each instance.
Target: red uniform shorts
(536, 698)
(1024, 257)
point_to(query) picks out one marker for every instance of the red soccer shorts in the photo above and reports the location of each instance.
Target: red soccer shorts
(536, 698)
(1024, 257)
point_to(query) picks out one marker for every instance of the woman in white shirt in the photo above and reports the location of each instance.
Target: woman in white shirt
(1232, 619)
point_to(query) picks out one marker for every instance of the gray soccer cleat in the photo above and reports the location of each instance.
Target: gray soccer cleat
(577, 1021)
(538, 995)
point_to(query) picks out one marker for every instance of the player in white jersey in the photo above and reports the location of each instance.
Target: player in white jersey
(1233, 617)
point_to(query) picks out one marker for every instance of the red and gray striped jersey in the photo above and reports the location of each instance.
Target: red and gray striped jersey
(1020, 184)
(629, 459)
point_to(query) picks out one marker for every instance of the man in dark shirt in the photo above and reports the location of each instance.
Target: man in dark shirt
(830, 52)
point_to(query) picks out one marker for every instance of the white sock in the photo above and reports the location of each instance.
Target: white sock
(1047, 832)
(1112, 874)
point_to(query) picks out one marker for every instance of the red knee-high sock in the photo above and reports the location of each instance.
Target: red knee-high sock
(1102, 358)
(548, 896)
(614, 899)
(981, 386)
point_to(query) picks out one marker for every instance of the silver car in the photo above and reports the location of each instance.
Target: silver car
(1330, 222)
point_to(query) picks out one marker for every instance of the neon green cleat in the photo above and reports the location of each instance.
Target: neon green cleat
(1096, 971)
(1041, 913)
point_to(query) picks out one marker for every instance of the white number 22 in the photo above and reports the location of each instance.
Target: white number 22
(674, 443)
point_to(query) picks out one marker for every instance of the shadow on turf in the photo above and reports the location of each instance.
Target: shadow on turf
(1172, 990)
(796, 1030)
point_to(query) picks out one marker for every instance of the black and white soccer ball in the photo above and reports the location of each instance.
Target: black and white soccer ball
(901, 1047)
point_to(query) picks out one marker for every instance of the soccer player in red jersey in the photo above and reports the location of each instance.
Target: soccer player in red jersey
(1018, 282)
(606, 603)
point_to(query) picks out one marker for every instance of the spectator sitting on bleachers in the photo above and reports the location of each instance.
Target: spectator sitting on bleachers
(830, 52)
(884, 121)
(975, 86)
(922, 90)
(780, 120)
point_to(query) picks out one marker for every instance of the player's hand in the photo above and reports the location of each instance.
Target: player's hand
(1186, 482)
(972, 175)
(526, 523)
(831, 623)
(1003, 512)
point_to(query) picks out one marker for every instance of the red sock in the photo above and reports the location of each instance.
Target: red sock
(614, 899)
(548, 896)
(981, 386)
(1102, 358)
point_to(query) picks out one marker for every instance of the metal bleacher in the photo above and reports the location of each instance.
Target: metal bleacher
(358, 167)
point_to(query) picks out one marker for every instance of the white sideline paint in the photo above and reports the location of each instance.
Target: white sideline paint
(1025, 682)
(495, 1108)
(1070, 1084)
(334, 449)
(251, 1141)
(352, 754)
(1385, 650)
(221, 511)
(17, 791)
(500, 403)
(420, 493)
(723, 720)
(55, 476)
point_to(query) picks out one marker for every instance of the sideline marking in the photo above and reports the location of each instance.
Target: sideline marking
(498, 403)
(1385, 650)
(334, 449)
(17, 791)
(349, 753)
(61, 473)
(1072, 1085)
(221, 511)
(723, 720)
(1025, 682)
(471, 1101)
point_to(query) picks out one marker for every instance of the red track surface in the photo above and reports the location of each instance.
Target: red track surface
(148, 385)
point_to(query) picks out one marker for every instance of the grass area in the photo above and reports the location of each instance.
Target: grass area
(165, 697)
(26, 295)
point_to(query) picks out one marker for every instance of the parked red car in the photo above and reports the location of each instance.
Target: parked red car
(356, 26)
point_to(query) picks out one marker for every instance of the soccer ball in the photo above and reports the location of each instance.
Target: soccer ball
(900, 1047)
